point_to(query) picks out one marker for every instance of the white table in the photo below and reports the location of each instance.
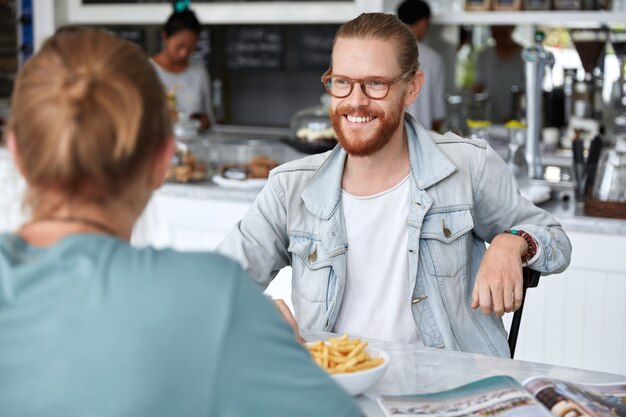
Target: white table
(418, 370)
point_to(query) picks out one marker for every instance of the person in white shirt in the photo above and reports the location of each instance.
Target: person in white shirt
(429, 108)
(186, 83)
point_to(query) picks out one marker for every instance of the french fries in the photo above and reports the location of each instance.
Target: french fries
(342, 355)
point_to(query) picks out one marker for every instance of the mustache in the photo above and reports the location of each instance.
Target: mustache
(361, 111)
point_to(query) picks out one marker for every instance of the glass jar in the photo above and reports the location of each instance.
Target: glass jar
(190, 162)
(185, 128)
(246, 158)
(456, 121)
(610, 184)
(312, 124)
(516, 158)
(479, 129)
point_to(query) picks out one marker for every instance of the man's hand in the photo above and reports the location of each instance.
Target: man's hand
(499, 280)
(291, 320)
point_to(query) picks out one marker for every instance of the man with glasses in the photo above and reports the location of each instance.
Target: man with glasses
(386, 233)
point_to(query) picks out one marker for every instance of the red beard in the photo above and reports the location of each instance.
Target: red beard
(371, 140)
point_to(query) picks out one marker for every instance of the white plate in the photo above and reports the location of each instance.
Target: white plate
(537, 193)
(251, 184)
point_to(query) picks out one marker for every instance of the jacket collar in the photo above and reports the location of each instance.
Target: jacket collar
(429, 165)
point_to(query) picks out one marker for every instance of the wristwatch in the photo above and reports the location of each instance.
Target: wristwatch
(530, 241)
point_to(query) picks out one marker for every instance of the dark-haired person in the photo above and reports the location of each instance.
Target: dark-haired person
(386, 233)
(429, 108)
(187, 83)
(91, 326)
(498, 68)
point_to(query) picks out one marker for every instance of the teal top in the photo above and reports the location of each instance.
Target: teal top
(92, 326)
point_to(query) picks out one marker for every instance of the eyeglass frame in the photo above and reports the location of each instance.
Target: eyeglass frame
(388, 82)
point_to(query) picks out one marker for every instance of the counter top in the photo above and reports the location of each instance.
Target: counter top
(569, 213)
(416, 369)
(207, 190)
(572, 217)
(561, 205)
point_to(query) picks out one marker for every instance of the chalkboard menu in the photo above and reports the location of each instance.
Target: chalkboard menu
(132, 34)
(315, 45)
(254, 47)
(128, 1)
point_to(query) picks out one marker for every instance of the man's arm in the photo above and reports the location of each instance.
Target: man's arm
(259, 241)
(499, 207)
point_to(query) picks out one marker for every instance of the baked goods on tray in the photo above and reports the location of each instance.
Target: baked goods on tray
(258, 167)
(185, 167)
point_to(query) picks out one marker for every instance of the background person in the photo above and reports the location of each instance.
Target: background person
(429, 108)
(187, 84)
(498, 68)
(386, 233)
(92, 326)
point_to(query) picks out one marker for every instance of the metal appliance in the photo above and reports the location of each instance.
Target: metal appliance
(616, 120)
(536, 58)
(585, 99)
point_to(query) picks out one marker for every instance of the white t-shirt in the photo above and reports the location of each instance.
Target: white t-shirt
(377, 299)
(430, 103)
(191, 88)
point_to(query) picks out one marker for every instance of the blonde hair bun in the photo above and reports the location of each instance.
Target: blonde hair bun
(87, 111)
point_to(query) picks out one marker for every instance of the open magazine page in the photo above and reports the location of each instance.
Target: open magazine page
(568, 399)
(494, 396)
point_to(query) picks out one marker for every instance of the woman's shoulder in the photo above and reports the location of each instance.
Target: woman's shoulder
(184, 265)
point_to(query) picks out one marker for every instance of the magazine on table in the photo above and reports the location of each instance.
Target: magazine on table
(504, 396)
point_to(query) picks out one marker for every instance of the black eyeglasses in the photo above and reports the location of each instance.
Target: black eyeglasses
(375, 88)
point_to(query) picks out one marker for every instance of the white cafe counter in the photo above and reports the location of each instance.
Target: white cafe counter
(575, 319)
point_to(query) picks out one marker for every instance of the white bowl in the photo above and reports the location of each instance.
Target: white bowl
(357, 382)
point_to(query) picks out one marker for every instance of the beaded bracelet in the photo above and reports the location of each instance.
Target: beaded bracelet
(530, 241)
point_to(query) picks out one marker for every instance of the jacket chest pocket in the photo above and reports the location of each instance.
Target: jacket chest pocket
(445, 241)
(311, 268)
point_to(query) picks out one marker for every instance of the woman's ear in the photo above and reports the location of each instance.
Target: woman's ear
(415, 85)
(12, 146)
(162, 159)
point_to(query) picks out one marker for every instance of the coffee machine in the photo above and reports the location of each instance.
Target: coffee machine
(616, 118)
(584, 97)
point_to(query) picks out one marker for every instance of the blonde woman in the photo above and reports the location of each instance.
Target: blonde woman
(89, 324)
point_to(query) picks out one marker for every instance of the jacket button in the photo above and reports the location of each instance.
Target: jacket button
(418, 299)
(313, 256)
(446, 231)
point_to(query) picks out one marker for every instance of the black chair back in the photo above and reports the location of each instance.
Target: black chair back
(531, 280)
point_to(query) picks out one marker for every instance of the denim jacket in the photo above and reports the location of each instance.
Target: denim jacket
(463, 195)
